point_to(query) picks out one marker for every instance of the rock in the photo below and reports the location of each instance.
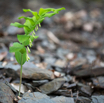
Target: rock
(64, 92)
(60, 63)
(53, 37)
(86, 90)
(38, 83)
(97, 99)
(62, 99)
(13, 66)
(3, 55)
(6, 95)
(52, 86)
(36, 73)
(35, 97)
(70, 86)
(50, 60)
(98, 82)
(97, 71)
(69, 26)
(16, 86)
(12, 30)
(78, 61)
(88, 27)
(83, 100)
(71, 56)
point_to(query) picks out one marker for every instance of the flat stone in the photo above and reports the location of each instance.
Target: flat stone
(38, 83)
(62, 99)
(6, 94)
(36, 73)
(35, 97)
(83, 99)
(52, 86)
(98, 82)
(97, 99)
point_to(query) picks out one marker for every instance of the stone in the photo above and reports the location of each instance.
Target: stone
(35, 97)
(38, 83)
(83, 100)
(52, 86)
(98, 82)
(36, 73)
(6, 94)
(97, 99)
(62, 99)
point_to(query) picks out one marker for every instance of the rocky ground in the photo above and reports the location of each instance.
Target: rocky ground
(67, 60)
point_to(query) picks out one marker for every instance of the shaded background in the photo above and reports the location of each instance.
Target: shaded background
(70, 44)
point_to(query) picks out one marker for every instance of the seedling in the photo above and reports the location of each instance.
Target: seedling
(21, 48)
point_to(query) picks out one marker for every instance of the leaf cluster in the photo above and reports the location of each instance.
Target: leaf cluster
(31, 25)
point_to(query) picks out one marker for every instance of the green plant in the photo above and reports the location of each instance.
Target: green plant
(25, 41)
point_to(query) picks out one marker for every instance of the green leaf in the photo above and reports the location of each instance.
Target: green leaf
(39, 21)
(26, 10)
(35, 37)
(41, 11)
(23, 50)
(57, 10)
(16, 47)
(27, 30)
(29, 21)
(34, 18)
(34, 13)
(22, 38)
(16, 24)
(49, 15)
(26, 42)
(21, 58)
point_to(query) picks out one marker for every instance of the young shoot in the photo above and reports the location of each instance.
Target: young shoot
(22, 48)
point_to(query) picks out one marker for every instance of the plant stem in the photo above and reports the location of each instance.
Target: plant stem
(20, 76)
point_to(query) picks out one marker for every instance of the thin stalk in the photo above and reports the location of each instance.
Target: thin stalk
(20, 76)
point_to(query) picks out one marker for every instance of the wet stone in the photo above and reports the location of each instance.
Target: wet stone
(52, 86)
(6, 94)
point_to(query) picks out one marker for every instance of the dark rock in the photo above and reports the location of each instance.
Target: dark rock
(38, 83)
(6, 95)
(98, 82)
(70, 86)
(83, 100)
(65, 92)
(90, 72)
(84, 89)
(52, 86)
